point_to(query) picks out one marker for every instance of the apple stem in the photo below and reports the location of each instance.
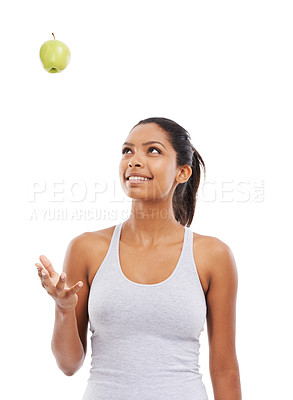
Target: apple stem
(53, 36)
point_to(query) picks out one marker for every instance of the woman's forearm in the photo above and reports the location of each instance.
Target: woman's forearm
(66, 344)
(227, 386)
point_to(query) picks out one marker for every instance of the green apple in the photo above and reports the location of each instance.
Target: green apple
(54, 55)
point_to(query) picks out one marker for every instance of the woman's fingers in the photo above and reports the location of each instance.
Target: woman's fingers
(46, 281)
(57, 287)
(41, 270)
(47, 264)
(75, 288)
(61, 283)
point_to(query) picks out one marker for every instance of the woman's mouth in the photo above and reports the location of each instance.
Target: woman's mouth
(137, 180)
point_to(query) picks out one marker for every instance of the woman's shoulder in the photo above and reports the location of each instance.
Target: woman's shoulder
(210, 243)
(91, 247)
(210, 252)
(95, 244)
(93, 237)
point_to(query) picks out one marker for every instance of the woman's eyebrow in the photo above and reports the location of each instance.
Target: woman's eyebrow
(144, 144)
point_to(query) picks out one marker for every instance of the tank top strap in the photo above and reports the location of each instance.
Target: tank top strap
(113, 246)
(115, 239)
(188, 248)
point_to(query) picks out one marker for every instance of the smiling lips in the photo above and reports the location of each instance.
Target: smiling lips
(137, 179)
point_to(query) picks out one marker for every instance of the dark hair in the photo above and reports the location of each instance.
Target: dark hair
(185, 194)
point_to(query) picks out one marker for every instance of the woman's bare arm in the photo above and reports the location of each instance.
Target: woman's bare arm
(221, 322)
(71, 316)
(66, 344)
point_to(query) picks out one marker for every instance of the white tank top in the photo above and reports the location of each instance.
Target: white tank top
(145, 338)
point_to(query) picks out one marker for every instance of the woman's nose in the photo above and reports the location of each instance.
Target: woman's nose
(134, 162)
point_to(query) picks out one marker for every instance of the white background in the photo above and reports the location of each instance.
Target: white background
(222, 70)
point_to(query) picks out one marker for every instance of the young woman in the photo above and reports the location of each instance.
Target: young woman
(148, 283)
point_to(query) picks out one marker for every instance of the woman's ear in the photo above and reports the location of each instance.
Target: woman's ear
(184, 174)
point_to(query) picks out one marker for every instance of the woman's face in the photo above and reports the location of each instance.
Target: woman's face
(154, 160)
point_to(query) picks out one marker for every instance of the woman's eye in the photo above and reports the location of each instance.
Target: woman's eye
(155, 149)
(127, 148)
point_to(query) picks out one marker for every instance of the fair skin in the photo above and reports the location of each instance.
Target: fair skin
(153, 228)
